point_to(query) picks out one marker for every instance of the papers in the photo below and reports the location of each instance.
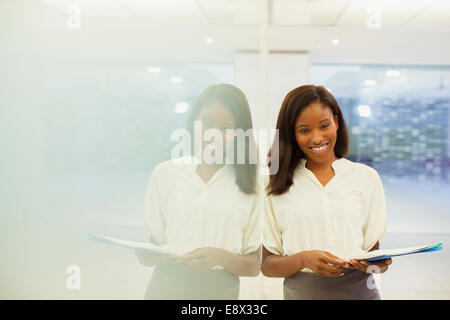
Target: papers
(147, 247)
(387, 253)
(143, 246)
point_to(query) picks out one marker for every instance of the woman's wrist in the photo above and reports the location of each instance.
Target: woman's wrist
(299, 258)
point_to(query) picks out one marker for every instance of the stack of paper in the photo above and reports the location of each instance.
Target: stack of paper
(387, 253)
(144, 246)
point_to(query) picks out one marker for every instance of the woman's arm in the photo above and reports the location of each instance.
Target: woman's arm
(247, 265)
(280, 266)
(321, 262)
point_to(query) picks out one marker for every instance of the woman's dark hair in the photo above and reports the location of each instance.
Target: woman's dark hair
(235, 101)
(289, 153)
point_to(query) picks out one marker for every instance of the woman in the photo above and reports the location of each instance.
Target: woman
(321, 210)
(206, 212)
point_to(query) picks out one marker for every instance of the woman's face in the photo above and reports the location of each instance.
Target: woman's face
(217, 116)
(316, 132)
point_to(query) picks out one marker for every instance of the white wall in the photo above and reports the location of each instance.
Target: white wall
(286, 71)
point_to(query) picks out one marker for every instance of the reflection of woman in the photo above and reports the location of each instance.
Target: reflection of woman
(206, 213)
(321, 209)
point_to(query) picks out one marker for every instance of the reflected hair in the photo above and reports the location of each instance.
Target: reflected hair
(235, 101)
(289, 153)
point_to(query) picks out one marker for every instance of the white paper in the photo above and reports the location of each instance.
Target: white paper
(147, 246)
(392, 252)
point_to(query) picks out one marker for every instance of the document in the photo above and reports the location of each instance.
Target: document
(146, 247)
(143, 246)
(387, 253)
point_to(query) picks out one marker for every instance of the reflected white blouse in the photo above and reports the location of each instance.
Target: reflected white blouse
(184, 213)
(346, 217)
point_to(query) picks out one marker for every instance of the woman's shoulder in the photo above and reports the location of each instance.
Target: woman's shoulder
(173, 165)
(361, 169)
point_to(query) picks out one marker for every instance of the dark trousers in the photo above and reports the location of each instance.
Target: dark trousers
(178, 284)
(353, 285)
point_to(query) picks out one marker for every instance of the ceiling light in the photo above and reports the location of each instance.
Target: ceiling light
(364, 110)
(176, 79)
(181, 107)
(370, 83)
(154, 69)
(392, 73)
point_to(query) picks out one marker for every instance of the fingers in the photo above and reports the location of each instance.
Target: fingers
(335, 261)
(201, 264)
(329, 270)
(150, 260)
(191, 260)
(380, 266)
(191, 255)
(359, 265)
(382, 263)
(383, 269)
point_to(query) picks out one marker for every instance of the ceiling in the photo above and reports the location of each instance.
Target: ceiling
(317, 13)
(407, 32)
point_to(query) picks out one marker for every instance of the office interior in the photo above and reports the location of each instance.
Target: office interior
(91, 91)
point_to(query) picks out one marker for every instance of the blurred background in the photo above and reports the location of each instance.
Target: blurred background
(91, 91)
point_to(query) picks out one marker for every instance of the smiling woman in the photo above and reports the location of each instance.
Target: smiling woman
(315, 117)
(208, 214)
(321, 210)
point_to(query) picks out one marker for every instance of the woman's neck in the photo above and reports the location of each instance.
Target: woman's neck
(320, 166)
(207, 171)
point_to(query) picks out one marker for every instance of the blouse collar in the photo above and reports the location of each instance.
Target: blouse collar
(336, 164)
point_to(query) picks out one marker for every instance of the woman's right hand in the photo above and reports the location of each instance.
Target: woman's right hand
(151, 260)
(323, 263)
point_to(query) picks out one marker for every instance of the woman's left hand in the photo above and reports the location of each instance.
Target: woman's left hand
(202, 258)
(379, 266)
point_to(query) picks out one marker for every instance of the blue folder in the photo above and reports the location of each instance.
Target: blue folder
(436, 247)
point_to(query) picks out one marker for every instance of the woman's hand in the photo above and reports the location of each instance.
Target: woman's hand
(151, 260)
(202, 258)
(379, 266)
(323, 263)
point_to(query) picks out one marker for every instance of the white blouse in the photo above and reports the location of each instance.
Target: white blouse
(184, 213)
(346, 217)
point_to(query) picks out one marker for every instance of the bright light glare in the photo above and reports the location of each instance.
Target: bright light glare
(364, 110)
(181, 107)
(392, 73)
(370, 83)
(176, 79)
(154, 69)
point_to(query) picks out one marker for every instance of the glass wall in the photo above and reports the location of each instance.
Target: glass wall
(107, 140)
